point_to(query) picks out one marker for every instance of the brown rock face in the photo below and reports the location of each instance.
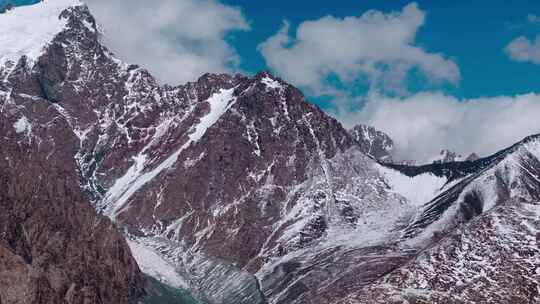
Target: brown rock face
(54, 248)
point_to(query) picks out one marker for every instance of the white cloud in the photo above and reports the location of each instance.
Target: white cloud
(525, 50)
(177, 40)
(425, 123)
(376, 47)
(534, 19)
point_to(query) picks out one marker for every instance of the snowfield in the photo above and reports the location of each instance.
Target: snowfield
(154, 265)
(36, 25)
(418, 190)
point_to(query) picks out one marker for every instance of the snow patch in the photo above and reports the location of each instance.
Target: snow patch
(22, 125)
(152, 264)
(271, 83)
(219, 102)
(26, 30)
(253, 138)
(418, 190)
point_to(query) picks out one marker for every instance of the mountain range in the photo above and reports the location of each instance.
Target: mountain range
(233, 189)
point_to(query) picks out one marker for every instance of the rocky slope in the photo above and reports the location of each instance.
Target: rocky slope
(483, 236)
(54, 248)
(237, 189)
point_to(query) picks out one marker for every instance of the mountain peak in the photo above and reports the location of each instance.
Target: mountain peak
(373, 142)
(472, 157)
(269, 80)
(265, 74)
(36, 25)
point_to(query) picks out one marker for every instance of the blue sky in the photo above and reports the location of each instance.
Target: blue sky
(17, 2)
(472, 33)
(461, 75)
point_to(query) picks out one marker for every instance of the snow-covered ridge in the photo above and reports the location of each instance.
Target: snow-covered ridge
(26, 30)
(514, 176)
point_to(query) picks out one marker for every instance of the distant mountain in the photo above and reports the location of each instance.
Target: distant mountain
(447, 156)
(372, 142)
(380, 146)
(233, 189)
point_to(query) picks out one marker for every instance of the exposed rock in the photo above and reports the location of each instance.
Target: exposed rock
(54, 248)
(373, 142)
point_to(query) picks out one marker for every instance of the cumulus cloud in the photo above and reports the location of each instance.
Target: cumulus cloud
(375, 47)
(524, 50)
(177, 40)
(424, 123)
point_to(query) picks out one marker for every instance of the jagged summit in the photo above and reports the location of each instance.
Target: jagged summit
(446, 156)
(27, 30)
(373, 142)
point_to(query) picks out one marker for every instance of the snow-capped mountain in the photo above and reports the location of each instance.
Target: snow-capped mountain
(373, 142)
(236, 189)
(380, 146)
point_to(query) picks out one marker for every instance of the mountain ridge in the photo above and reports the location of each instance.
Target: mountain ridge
(244, 192)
